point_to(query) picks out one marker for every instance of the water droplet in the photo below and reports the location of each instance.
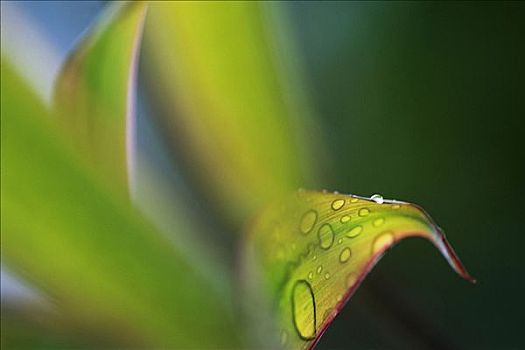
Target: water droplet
(340, 241)
(345, 219)
(378, 222)
(354, 232)
(353, 200)
(310, 275)
(320, 269)
(326, 275)
(303, 310)
(338, 204)
(363, 212)
(284, 337)
(314, 257)
(396, 206)
(351, 279)
(377, 198)
(308, 221)
(382, 242)
(345, 255)
(326, 236)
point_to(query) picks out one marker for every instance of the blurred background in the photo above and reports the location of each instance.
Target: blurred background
(421, 102)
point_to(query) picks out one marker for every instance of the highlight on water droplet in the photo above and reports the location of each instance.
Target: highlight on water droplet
(355, 231)
(378, 222)
(363, 212)
(345, 219)
(345, 255)
(308, 221)
(310, 275)
(340, 241)
(382, 242)
(327, 276)
(320, 269)
(326, 236)
(303, 310)
(377, 198)
(338, 204)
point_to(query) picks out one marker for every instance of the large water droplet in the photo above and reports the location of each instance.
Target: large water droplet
(345, 255)
(345, 219)
(363, 212)
(382, 242)
(326, 236)
(354, 232)
(308, 221)
(303, 310)
(338, 204)
(377, 198)
(378, 222)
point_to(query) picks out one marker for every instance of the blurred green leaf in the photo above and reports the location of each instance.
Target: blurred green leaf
(221, 83)
(311, 251)
(90, 251)
(95, 91)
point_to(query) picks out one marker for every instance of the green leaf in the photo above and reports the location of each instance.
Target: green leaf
(95, 91)
(307, 255)
(223, 87)
(104, 266)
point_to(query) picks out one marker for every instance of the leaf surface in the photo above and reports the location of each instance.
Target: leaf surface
(307, 255)
(95, 91)
(106, 267)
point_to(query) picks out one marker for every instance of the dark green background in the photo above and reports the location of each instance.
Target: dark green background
(425, 102)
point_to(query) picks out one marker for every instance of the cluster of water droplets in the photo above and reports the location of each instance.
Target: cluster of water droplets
(303, 296)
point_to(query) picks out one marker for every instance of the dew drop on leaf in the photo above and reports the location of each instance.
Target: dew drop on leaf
(351, 279)
(378, 222)
(327, 276)
(310, 275)
(319, 269)
(355, 231)
(345, 255)
(284, 337)
(326, 236)
(308, 221)
(345, 219)
(363, 212)
(303, 310)
(377, 198)
(338, 204)
(382, 241)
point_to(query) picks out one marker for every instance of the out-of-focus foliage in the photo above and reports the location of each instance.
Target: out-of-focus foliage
(95, 92)
(220, 79)
(104, 266)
